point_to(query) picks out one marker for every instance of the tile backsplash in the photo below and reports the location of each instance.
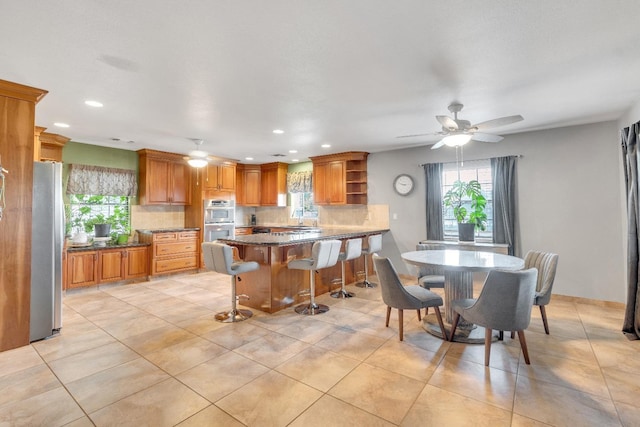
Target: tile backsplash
(154, 217)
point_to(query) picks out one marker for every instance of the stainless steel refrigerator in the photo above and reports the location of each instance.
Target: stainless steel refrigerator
(47, 238)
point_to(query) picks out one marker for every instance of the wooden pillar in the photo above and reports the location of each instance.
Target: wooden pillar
(17, 124)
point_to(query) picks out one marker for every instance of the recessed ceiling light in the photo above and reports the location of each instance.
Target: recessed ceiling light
(93, 103)
(248, 158)
(278, 131)
(326, 145)
(295, 160)
(61, 125)
(293, 151)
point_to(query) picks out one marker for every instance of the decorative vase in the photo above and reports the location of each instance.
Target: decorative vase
(466, 232)
(102, 230)
(123, 239)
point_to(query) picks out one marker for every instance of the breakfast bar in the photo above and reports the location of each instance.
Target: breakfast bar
(273, 286)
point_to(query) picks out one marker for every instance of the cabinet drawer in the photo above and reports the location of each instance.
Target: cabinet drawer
(175, 264)
(165, 237)
(170, 249)
(188, 235)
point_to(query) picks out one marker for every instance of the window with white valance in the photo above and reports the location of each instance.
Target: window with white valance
(85, 179)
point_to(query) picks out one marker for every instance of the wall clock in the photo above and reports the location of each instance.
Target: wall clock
(403, 184)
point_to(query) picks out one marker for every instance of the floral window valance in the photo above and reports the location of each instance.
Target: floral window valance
(299, 182)
(85, 179)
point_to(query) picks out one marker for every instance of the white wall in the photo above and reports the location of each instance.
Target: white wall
(569, 198)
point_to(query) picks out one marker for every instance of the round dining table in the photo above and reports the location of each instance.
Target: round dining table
(458, 267)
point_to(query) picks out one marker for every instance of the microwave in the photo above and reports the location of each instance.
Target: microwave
(219, 211)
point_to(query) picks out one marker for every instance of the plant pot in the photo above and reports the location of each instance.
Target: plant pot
(123, 239)
(102, 230)
(466, 232)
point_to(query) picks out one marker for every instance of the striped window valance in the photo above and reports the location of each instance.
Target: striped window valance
(299, 182)
(98, 180)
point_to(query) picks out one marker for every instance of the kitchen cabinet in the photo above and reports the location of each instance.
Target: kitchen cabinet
(88, 268)
(172, 251)
(248, 185)
(273, 188)
(82, 269)
(340, 179)
(221, 177)
(165, 179)
(48, 146)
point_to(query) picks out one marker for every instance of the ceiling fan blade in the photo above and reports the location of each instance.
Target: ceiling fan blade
(486, 137)
(502, 121)
(447, 122)
(437, 144)
(411, 136)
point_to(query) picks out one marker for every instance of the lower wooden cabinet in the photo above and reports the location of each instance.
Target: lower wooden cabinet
(88, 268)
(173, 251)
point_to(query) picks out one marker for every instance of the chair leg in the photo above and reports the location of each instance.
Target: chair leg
(501, 335)
(513, 334)
(543, 313)
(523, 345)
(488, 332)
(388, 315)
(426, 311)
(401, 322)
(454, 326)
(441, 323)
(419, 315)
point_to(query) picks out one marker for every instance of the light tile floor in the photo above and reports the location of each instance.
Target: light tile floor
(151, 354)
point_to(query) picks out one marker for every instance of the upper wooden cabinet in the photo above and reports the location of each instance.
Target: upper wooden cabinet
(248, 183)
(220, 177)
(48, 146)
(273, 189)
(165, 178)
(340, 179)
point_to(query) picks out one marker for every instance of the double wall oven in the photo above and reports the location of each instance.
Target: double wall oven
(219, 219)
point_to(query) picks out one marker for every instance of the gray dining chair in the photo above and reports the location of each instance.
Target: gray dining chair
(430, 276)
(546, 263)
(396, 295)
(504, 304)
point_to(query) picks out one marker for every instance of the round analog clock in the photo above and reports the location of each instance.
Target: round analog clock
(403, 184)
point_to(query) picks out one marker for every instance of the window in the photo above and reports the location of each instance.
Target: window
(83, 211)
(479, 170)
(302, 206)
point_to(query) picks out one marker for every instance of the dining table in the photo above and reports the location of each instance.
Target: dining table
(459, 267)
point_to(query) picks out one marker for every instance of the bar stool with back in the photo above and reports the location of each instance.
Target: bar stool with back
(352, 250)
(374, 245)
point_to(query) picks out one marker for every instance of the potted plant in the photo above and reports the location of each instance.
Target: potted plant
(461, 195)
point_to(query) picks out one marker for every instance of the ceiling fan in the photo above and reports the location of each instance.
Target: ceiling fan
(197, 158)
(457, 132)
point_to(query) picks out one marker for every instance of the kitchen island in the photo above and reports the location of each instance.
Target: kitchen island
(273, 286)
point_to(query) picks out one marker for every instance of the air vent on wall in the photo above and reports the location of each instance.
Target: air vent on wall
(278, 155)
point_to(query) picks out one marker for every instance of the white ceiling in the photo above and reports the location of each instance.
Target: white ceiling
(354, 74)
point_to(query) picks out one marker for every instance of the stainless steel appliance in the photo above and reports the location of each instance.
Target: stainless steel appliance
(219, 219)
(47, 238)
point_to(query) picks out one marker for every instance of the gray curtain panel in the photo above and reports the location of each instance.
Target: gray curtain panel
(629, 140)
(94, 180)
(504, 201)
(433, 197)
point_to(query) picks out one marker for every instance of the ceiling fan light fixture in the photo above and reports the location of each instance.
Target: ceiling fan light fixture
(457, 139)
(197, 163)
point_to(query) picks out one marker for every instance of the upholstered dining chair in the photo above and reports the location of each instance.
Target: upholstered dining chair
(430, 276)
(546, 263)
(504, 304)
(396, 295)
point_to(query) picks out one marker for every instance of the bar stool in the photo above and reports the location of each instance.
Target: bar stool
(324, 253)
(219, 258)
(374, 245)
(352, 250)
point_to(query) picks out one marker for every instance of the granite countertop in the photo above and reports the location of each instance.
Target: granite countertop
(294, 238)
(167, 230)
(108, 246)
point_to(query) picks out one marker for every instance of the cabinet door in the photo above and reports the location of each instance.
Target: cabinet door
(252, 187)
(180, 184)
(210, 177)
(82, 269)
(136, 262)
(110, 265)
(336, 183)
(227, 177)
(320, 193)
(268, 190)
(158, 182)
